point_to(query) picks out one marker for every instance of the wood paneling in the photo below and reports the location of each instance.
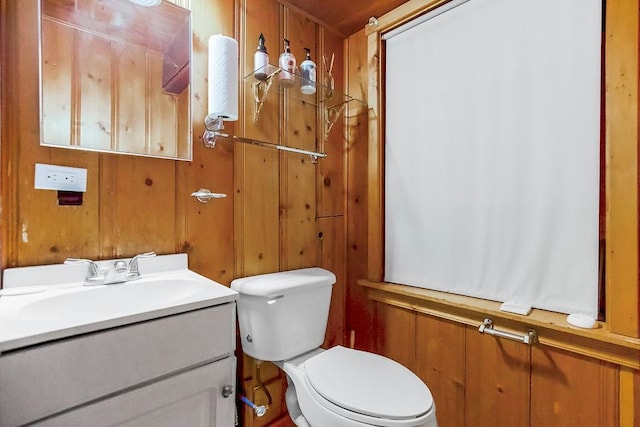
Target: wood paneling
(298, 177)
(481, 380)
(631, 412)
(440, 363)
(572, 390)
(331, 255)
(621, 115)
(395, 334)
(257, 170)
(206, 232)
(375, 175)
(331, 175)
(279, 213)
(497, 381)
(139, 183)
(359, 308)
(345, 17)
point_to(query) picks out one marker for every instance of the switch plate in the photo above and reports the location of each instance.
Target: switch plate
(53, 177)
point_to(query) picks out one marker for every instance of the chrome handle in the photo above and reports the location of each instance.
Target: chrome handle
(227, 391)
(133, 271)
(94, 275)
(487, 328)
(204, 195)
(120, 266)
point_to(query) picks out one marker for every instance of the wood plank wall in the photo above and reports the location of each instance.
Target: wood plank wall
(282, 210)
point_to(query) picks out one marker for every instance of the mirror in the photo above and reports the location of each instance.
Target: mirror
(115, 77)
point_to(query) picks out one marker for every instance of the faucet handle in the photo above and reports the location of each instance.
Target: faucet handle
(133, 272)
(94, 275)
(120, 266)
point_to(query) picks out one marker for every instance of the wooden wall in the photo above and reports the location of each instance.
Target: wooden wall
(475, 377)
(282, 210)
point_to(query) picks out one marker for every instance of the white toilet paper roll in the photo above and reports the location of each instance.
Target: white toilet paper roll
(223, 77)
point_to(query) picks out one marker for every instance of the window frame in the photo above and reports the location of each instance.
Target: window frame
(621, 327)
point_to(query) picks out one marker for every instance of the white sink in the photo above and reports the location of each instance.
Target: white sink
(64, 307)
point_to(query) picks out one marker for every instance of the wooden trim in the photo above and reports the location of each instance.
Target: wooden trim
(17, 20)
(375, 180)
(621, 112)
(7, 197)
(552, 328)
(403, 13)
(240, 21)
(628, 394)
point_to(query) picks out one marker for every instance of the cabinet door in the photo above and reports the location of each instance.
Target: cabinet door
(193, 398)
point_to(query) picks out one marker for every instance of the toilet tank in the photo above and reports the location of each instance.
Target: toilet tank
(282, 315)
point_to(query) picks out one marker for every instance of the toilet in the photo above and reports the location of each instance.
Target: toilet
(283, 319)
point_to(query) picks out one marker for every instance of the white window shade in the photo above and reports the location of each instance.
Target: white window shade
(492, 135)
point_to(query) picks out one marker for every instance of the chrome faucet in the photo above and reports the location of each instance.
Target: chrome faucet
(94, 275)
(119, 271)
(133, 272)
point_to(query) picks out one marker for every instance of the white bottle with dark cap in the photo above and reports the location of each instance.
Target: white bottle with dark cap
(260, 60)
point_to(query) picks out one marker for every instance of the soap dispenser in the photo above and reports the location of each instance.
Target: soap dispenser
(260, 60)
(308, 72)
(288, 65)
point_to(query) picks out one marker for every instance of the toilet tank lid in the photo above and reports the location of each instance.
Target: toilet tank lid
(283, 282)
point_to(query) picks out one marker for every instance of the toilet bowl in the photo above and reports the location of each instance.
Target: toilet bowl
(342, 387)
(282, 318)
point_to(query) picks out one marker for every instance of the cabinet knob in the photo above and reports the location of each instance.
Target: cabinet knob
(227, 391)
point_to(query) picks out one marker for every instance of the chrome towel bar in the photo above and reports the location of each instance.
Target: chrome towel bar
(529, 338)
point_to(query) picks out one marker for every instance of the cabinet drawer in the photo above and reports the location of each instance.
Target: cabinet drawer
(43, 380)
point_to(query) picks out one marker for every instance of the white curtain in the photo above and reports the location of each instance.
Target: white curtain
(492, 152)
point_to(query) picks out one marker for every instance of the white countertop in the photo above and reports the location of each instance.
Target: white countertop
(62, 307)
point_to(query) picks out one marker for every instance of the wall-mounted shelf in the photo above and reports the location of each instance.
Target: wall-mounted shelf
(333, 103)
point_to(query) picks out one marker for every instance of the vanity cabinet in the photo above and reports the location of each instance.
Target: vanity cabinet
(174, 370)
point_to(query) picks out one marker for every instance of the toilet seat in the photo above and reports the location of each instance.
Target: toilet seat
(366, 387)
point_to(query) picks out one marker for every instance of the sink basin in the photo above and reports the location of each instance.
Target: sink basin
(63, 309)
(112, 300)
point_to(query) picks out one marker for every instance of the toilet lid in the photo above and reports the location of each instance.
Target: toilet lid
(368, 384)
